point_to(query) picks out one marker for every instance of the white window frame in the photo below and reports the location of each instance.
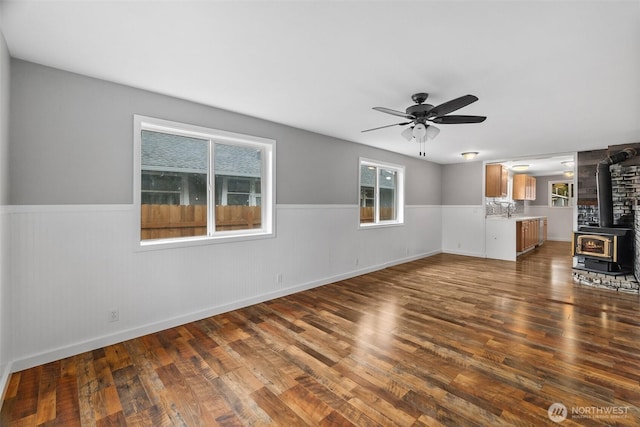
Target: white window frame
(266, 145)
(399, 202)
(571, 199)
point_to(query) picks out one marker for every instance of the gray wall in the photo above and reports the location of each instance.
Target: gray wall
(4, 121)
(462, 184)
(542, 189)
(72, 143)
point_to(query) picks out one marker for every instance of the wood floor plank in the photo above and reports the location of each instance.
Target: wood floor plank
(27, 395)
(47, 393)
(446, 340)
(132, 394)
(67, 403)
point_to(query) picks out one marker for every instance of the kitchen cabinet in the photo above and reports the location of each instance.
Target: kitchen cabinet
(524, 187)
(496, 178)
(528, 234)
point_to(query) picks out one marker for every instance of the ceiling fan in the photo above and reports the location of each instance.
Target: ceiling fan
(421, 113)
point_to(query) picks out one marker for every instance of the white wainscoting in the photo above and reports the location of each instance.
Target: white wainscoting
(70, 265)
(6, 356)
(463, 230)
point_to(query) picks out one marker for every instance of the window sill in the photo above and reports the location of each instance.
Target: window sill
(185, 242)
(365, 226)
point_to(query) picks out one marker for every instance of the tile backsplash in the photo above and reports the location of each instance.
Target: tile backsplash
(494, 207)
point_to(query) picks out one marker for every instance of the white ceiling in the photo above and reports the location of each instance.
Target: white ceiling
(553, 165)
(552, 77)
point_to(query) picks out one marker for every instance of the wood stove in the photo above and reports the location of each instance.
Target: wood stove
(607, 249)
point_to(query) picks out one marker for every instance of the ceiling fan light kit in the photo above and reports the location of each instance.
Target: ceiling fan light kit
(407, 134)
(421, 113)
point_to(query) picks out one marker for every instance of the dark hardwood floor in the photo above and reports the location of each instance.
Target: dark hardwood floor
(446, 340)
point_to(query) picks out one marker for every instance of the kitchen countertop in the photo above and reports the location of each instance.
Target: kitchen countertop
(514, 218)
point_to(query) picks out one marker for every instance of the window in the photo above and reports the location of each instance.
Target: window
(200, 184)
(560, 194)
(381, 193)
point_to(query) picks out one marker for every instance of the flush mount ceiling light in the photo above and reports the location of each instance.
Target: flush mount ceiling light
(568, 174)
(520, 168)
(469, 155)
(568, 163)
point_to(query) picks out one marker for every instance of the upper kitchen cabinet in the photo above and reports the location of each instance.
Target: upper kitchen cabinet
(496, 178)
(524, 187)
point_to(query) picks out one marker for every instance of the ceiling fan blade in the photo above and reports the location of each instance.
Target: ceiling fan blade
(387, 126)
(452, 120)
(394, 112)
(453, 105)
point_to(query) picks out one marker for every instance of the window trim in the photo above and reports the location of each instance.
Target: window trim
(400, 196)
(571, 199)
(268, 201)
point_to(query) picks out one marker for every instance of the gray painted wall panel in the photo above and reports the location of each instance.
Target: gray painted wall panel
(462, 184)
(4, 121)
(72, 143)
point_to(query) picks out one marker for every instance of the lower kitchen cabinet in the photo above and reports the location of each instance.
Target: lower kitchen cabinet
(528, 234)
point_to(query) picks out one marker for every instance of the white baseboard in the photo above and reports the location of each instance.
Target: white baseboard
(5, 373)
(464, 253)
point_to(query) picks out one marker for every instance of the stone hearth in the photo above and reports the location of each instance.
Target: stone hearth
(621, 283)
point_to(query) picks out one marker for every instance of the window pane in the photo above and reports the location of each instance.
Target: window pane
(367, 193)
(197, 184)
(236, 168)
(561, 194)
(387, 195)
(173, 186)
(239, 185)
(238, 200)
(161, 182)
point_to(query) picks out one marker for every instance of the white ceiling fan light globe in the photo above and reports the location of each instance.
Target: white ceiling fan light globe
(407, 133)
(432, 132)
(419, 131)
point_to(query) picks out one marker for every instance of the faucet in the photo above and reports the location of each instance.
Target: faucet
(508, 205)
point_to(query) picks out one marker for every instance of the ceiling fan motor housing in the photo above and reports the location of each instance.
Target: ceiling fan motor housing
(420, 112)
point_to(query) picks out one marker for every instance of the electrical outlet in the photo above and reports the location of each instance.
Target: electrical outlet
(114, 315)
(279, 277)
(357, 261)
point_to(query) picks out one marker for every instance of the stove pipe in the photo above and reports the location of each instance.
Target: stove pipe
(605, 192)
